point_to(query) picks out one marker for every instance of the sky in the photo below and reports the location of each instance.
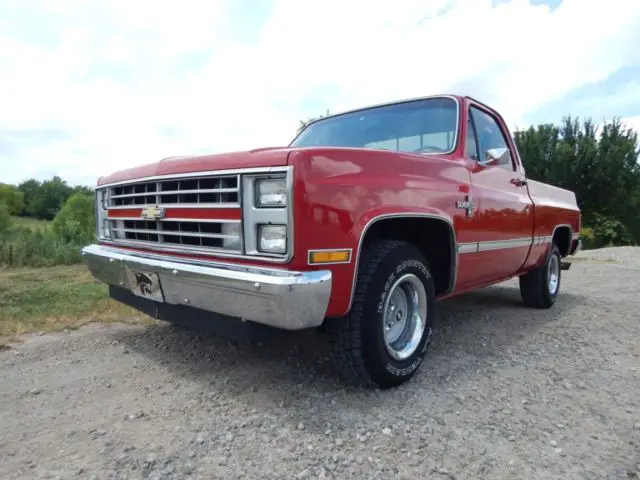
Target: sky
(88, 87)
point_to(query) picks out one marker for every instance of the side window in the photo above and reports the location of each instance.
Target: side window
(471, 146)
(490, 137)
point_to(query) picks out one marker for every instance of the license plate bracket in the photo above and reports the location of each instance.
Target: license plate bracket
(145, 284)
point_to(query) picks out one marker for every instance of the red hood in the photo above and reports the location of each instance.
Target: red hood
(262, 157)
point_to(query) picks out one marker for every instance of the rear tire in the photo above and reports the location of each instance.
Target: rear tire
(539, 287)
(382, 341)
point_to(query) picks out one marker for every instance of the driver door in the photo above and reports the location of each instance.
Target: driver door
(502, 225)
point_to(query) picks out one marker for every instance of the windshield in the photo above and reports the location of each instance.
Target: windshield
(427, 125)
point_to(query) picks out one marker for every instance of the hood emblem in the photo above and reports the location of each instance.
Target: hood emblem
(152, 212)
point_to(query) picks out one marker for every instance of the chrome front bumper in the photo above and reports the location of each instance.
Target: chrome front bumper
(278, 298)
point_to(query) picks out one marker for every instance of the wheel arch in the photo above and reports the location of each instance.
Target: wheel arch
(373, 227)
(562, 236)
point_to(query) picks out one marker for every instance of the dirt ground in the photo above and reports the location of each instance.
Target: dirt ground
(505, 392)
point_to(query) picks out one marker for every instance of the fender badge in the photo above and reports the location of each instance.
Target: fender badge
(467, 205)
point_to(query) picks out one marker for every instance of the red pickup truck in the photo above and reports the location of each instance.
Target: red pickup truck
(356, 228)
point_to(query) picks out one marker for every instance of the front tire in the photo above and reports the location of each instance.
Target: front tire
(539, 287)
(382, 341)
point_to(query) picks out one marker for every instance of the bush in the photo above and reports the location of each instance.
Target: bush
(12, 198)
(588, 238)
(76, 222)
(606, 232)
(5, 218)
(24, 247)
(73, 227)
(610, 232)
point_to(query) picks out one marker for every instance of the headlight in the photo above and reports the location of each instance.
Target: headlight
(272, 238)
(271, 192)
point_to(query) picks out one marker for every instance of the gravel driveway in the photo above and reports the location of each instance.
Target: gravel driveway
(506, 392)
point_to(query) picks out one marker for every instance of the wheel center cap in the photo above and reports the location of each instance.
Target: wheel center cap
(398, 315)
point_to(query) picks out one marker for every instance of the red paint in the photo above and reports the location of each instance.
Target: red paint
(338, 191)
(125, 213)
(264, 157)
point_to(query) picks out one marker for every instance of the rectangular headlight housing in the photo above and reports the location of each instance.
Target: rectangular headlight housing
(272, 238)
(271, 192)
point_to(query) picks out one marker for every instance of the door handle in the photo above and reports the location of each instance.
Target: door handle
(518, 182)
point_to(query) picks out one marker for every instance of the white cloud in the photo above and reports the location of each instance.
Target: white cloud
(632, 122)
(133, 82)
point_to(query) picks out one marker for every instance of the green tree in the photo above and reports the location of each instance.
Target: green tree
(83, 189)
(599, 164)
(12, 198)
(76, 222)
(50, 198)
(30, 189)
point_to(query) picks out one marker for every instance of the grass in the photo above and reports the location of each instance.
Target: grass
(55, 298)
(31, 222)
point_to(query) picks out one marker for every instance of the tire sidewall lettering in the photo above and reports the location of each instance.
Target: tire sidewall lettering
(392, 366)
(385, 292)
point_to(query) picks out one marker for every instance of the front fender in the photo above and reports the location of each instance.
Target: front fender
(341, 193)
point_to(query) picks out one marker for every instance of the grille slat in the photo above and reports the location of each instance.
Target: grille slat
(202, 234)
(182, 234)
(203, 191)
(211, 235)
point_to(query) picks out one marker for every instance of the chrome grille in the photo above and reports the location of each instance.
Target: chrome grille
(212, 234)
(208, 234)
(203, 191)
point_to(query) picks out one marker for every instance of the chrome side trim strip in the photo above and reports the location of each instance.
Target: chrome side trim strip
(468, 247)
(475, 247)
(486, 246)
(541, 240)
(503, 244)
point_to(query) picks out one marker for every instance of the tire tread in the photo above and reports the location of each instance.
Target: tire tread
(346, 341)
(533, 285)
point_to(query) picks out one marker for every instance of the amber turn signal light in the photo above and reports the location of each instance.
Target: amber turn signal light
(329, 256)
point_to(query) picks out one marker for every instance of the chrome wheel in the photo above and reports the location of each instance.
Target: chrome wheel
(404, 316)
(553, 274)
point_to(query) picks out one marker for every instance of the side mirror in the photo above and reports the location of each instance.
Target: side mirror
(496, 155)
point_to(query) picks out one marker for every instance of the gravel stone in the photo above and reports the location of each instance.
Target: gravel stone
(505, 392)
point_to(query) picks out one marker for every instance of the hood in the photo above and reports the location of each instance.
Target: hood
(262, 157)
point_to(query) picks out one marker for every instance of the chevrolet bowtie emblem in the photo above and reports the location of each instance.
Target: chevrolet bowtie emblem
(152, 212)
